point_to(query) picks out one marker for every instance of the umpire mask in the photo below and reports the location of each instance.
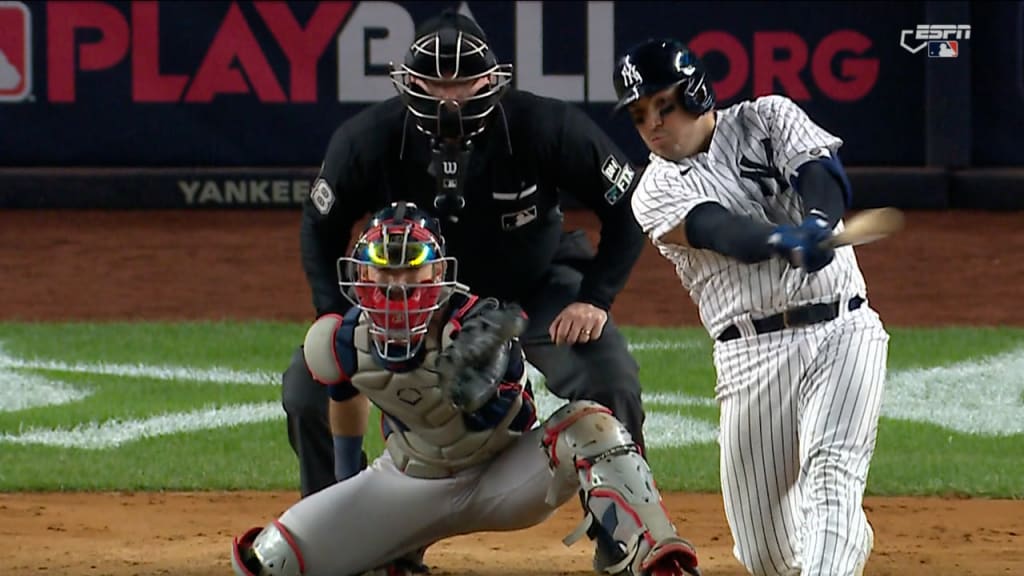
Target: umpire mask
(450, 83)
(450, 80)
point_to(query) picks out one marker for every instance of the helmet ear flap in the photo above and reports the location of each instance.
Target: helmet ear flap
(681, 98)
(702, 97)
(696, 103)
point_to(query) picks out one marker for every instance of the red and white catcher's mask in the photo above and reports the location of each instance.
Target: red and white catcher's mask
(399, 276)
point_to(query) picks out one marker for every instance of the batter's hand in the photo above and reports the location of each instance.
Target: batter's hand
(803, 245)
(578, 323)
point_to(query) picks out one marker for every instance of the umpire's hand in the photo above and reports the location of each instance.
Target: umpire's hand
(578, 323)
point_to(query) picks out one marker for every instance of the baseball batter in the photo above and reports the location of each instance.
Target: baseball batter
(463, 452)
(739, 200)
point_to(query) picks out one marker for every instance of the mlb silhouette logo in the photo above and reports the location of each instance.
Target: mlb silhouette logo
(15, 51)
(943, 49)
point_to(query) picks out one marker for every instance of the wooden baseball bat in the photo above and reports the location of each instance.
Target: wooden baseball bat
(868, 226)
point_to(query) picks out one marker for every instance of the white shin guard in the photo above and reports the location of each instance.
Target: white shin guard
(625, 517)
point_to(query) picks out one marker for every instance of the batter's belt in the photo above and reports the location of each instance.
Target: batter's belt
(793, 317)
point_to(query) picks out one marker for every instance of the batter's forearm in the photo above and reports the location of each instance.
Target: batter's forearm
(676, 235)
(711, 227)
(822, 192)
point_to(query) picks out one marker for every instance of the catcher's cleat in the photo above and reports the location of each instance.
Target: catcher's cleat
(672, 557)
(409, 565)
(394, 569)
(270, 551)
(243, 559)
(412, 562)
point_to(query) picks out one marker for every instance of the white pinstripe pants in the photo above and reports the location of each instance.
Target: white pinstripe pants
(799, 416)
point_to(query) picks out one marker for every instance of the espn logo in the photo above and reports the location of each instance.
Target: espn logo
(942, 40)
(943, 49)
(15, 51)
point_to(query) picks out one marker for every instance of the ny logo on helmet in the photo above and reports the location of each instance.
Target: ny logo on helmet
(630, 75)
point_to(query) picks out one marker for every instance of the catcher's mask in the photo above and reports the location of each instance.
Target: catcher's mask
(399, 276)
(450, 80)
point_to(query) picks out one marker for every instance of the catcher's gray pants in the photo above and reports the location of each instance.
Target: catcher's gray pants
(380, 514)
(603, 371)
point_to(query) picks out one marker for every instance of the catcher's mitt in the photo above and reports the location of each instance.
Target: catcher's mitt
(472, 366)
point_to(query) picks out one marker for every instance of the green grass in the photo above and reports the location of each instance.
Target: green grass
(922, 459)
(912, 457)
(912, 348)
(266, 345)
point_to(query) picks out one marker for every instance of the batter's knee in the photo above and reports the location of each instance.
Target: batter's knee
(271, 551)
(764, 559)
(302, 396)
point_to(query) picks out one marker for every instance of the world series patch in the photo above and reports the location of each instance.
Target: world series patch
(610, 168)
(620, 176)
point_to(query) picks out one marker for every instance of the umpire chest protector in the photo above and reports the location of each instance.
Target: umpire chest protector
(428, 435)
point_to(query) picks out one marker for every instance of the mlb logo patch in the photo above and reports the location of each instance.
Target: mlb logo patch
(15, 51)
(514, 220)
(943, 49)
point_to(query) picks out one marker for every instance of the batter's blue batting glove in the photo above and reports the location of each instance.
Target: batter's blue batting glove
(802, 245)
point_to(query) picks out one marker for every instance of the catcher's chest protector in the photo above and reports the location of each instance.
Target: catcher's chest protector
(429, 437)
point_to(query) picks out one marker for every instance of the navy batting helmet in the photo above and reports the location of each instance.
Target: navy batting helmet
(655, 65)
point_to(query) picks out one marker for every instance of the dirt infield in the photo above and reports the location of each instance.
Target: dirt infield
(190, 534)
(946, 268)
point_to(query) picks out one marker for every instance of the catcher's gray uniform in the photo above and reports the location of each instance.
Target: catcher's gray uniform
(447, 471)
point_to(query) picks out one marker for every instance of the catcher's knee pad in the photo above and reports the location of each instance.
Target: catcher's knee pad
(624, 513)
(268, 552)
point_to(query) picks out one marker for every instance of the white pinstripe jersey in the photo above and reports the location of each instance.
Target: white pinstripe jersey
(756, 148)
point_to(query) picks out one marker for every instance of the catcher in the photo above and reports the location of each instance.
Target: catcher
(463, 450)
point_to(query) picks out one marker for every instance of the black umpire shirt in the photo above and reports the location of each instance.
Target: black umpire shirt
(510, 230)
